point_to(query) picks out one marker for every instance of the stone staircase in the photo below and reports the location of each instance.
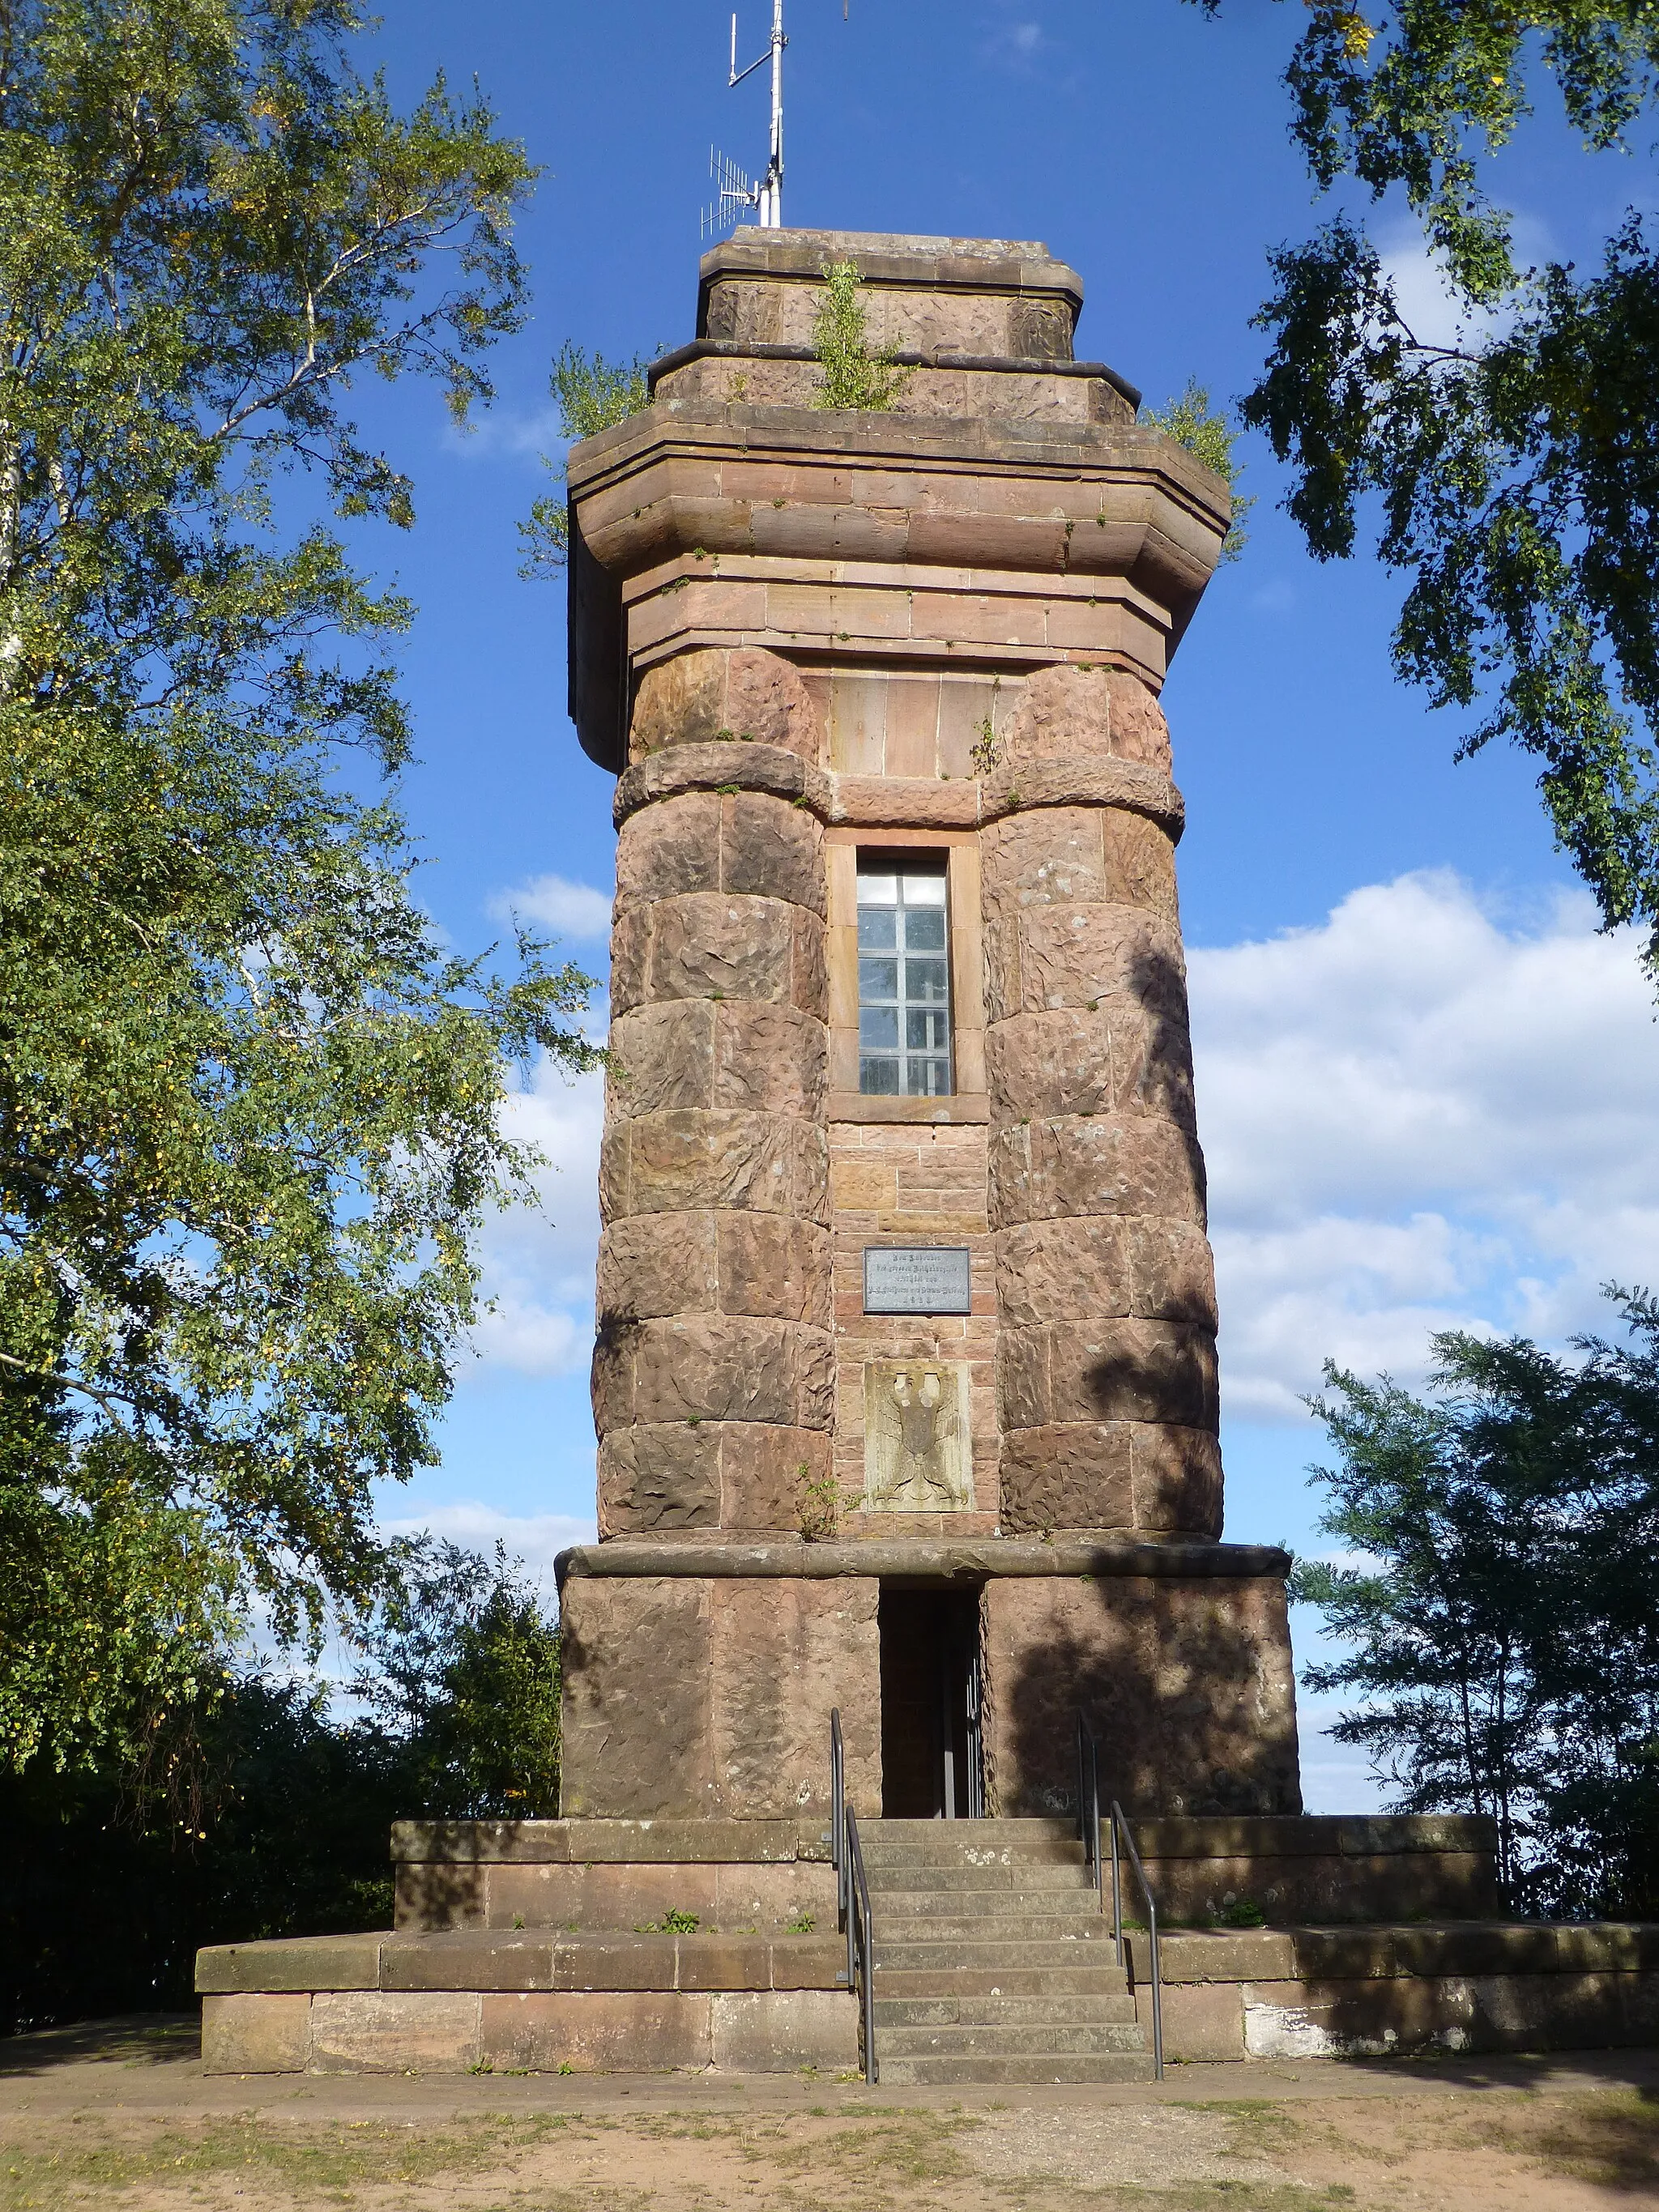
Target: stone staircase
(993, 1962)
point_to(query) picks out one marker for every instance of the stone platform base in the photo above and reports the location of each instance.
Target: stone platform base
(1382, 1992)
(536, 2000)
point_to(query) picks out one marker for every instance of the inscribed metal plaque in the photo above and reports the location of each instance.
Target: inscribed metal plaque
(915, 1279)
(916, 1455)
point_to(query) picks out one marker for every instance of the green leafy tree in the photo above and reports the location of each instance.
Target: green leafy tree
(1512, 467)
(250, 1106)
(1500, 1601)
(1208, 435)
(463, 1668)
(591, 394)
(853, 375)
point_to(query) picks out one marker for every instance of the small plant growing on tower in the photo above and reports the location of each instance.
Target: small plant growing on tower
(852, 375)
(820, 1505)
(1208, 437)
(985, 751)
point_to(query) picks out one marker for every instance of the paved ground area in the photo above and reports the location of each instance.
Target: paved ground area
(120, 2115)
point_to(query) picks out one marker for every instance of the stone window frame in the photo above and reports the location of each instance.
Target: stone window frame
(969, 1100)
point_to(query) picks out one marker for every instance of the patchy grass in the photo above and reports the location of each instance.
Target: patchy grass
(1608, 2137)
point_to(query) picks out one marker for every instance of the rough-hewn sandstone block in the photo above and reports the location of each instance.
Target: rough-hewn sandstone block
(1189, 1687)
(769, 847)
(764, 1471)
(1107, 1371)
(662, 1057)
(700, 696)
(708, 944)
(1076, 1165)
(630, 952)
(1139, 732)
(730, 1367)
(784, 1653)
(669, 848)
(682, 1161)
(1044, 858)
(679, 702)
(692, 1699)
(766, 700)
(1074, 956)
(1059, 1270)
(770, 1060)
(1066, 714)
(651, 1264)
(809, 970)
(638, 1699)
(1171, 1275)
(1055, 1062)
(1151, 1060)
(1140, 863)
(659, 1477)
(1063, 713)
(1065, 1475)
(263, 2034)
(771, 1265)
(1176, 1476)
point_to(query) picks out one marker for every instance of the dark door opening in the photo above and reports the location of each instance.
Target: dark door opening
(930, 1693)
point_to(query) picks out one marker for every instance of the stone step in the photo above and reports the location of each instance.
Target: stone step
(933, 1956)
(991, 1928)
(999, 2040)
(952, 2010)
(958, 1849)
(1024, 1874)
(966, 1905)
(972, 1983)
(1094, 2066)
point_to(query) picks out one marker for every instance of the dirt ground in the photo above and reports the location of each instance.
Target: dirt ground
(120, 2115)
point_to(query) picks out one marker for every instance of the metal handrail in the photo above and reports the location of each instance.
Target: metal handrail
(1121, 1826)
(858, 1896)
(1088, 1810)
(852, 1892)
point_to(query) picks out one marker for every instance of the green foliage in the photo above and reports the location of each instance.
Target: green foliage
(1503, 1611)
(591, 394)
(261, 1812)
(250, 1105)
(463, 1669)
(854, 376)
(1513, 464)
(1208, 437)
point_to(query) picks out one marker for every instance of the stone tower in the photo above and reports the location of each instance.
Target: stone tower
(905, 1380)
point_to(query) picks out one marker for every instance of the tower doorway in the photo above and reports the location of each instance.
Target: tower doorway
(931, 1763)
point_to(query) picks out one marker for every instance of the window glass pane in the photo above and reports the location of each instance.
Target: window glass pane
(924, 982)
(904, 1021)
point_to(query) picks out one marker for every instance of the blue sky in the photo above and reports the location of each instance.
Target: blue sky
(1424, 1083)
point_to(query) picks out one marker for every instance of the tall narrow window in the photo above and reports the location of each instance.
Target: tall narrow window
(904, 980)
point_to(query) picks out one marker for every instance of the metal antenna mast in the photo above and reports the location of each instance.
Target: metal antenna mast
(768, 194)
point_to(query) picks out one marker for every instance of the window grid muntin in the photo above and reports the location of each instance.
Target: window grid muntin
(905, 1047)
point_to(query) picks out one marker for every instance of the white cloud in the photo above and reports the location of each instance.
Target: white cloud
(1423, 1115)
(1430, 309)
(538, 1267)
(569, 909)
(535, 1538)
